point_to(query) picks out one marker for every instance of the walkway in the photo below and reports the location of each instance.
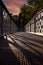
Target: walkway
(21, 49)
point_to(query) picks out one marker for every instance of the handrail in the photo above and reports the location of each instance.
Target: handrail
(2, 4)
(9, 25)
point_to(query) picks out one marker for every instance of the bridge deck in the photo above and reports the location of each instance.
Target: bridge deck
(21, 49)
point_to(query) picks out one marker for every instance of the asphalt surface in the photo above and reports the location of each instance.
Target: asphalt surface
(21, 49)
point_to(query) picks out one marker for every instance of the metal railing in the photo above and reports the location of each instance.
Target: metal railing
(7, 24)
(36, 24)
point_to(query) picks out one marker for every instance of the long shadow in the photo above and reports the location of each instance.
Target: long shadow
(38, 35)
(27, 45)
(7, 56)
(32, 57)
(35, 38)
(31, 39)
(28, 41)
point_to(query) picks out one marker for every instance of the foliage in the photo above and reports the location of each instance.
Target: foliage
(26, 12)
(38, 4)
(15, 17)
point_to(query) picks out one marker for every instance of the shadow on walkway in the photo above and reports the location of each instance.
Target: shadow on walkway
(33, 59)
(7, 56)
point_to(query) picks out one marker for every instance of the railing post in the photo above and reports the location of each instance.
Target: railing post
(1, 19)
(34, 25)
(30, 27)
(13, 26)
(10, 25)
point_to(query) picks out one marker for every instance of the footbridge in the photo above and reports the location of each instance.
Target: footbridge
(19, 48)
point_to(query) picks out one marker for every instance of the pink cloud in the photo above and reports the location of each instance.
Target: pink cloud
(14, 9)
(14, 5)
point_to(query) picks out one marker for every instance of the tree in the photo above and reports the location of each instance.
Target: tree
(25, 14)
(15, 17)
(38, 4)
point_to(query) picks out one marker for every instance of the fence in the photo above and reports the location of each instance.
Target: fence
(7, 24)
(36, 24)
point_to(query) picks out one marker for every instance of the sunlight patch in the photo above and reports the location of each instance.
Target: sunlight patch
(9, 39)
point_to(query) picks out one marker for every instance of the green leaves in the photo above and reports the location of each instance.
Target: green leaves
(27, 12)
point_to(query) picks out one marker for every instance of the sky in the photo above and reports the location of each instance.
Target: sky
(14, 6)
